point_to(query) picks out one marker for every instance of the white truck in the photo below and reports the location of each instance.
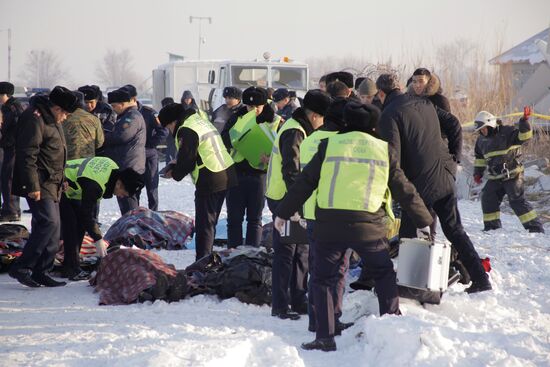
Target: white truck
(207, 79)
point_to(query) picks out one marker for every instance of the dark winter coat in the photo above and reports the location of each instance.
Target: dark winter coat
(156, 134)
(106, 115)
(451, 132)
(188, 157)
(126, 143)
(411, 126)
(40, 152)
(11, 110)
(350, 225)
(287, 111)
(222, 114)
(434, 93)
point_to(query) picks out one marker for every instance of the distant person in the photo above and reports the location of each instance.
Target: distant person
(93, 103)
(170, 153)
(285, 107)
(11, 110)
(233, 97)
(338, 89)
(188, 101)
(323, 83)
(425, 83)
(38, 176)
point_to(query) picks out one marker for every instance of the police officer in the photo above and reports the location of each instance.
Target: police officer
(11, 110)
(156, 134)
(94, 104)
(248, 196)
(88, 181)
(290, 261)
(353, 173)
(285, 107)
(202, 154)
(221, 115)
(498, 149)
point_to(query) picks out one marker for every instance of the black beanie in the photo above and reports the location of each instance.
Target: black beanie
(255, 96)
(387, 83)
(232, 92)
(280, 94)
(90, 93)
(335, 112)
(361, 117)
(342, 76)
(7, 88)
(64, 98)
(132, 91)
(317, 101)
(118, 96)
(170, 113)
(132, 181)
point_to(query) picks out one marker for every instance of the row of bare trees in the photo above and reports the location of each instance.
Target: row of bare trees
(45, 69)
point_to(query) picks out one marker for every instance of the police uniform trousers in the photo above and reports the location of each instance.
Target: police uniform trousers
(337, 292)
(247, 197)
(10, 203)
(327, 265)
(72, 231)
(491, 197)
(128, 203)
(290, 271)
(39, 251)
(151, 178)
(207, 212)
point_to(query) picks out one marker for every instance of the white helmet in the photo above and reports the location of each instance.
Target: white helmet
(485, 118)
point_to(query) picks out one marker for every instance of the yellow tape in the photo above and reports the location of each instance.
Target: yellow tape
(515, 114)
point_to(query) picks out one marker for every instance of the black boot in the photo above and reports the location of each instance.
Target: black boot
(81, 275)
(324, 344)
(479, 286)
(46, 280)
(23, 276)
(286, 315)
(338, 327)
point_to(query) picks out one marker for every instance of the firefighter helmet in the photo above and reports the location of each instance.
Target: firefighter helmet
(485, 118)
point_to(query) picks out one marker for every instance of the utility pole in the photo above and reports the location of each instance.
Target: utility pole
(201, 38)
(9, 52)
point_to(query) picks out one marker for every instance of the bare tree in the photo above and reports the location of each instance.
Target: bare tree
(43, 69)
(117, 69)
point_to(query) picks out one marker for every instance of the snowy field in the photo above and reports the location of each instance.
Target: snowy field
(509, 326)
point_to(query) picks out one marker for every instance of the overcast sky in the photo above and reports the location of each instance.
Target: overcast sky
(80, 32)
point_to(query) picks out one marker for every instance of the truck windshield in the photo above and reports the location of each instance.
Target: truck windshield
(288, 77)
(247, 76)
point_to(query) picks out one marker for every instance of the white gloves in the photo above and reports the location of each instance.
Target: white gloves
(424, 233)
(101, 248)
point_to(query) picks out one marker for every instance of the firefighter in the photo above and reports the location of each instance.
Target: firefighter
(353, 173)
(498, 149)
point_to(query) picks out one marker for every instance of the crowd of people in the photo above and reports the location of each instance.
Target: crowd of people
(329, 165)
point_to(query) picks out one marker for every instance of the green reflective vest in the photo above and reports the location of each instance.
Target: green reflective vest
(276, 187)
(308, 148)
(213, 154)
(354, 174)
(97, 169)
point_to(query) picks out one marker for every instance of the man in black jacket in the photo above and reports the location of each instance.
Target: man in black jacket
(352, 172)
(93, 104)
(38, 175)
(202, 154)
(411, 127)
(222, 114)
(11, 110)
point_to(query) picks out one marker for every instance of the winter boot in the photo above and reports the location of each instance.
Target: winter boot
(324, 344)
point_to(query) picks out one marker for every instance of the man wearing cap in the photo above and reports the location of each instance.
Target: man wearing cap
(11, 110)
(156, 135)
(285, 107)
(126, 143)
(94, 104)
(88, 181)
(290, 261)
(38, 175)
(202, 154)
(221, 115)
(247, 198)
(411, 127)
(353, 173)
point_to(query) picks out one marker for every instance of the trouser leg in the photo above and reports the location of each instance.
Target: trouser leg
(235, 202)
(73, 234)
(10, 203)
(255, 203)
(491, 198)
(207, 212)
(151, 177)
(298, 282)
(128, 203)
(522, 208)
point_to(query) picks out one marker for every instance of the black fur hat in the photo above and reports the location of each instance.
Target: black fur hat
(132, 91)
(64, 98)
(255, 96)
(232, 92)
(7, 88)
(343, 76)
(361, 117)
(170, 113)
(90, 93)
(118, 96)
(317, 101)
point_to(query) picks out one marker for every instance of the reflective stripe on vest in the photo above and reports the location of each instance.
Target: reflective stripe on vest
(276, 186)
(211, 149)
(97, 169)
(308, 148)
(354, 174)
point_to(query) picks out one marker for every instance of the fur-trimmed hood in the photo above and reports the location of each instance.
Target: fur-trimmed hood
(432, 88)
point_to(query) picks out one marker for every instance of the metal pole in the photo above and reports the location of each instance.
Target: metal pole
(200, 37)
(9, 54)
(200, 19)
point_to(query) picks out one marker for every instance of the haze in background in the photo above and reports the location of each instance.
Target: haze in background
(81, 32)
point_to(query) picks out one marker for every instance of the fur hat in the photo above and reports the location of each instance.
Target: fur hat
(387, 83)
(255, 96)
(335, 112)
(90, 93)
(118, 96)
(367, 88)
(232, 92)
(280, 94)
(166, 101)
(132, 91)
(343, 76)
(170, 113)
(132, 181)
(7, 88)
(317, 101)
(64, 98)
(361, 117)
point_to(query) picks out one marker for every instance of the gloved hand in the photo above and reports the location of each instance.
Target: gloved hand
(527, 112)
(296, 217)
(279, 224)
(101, 247)
(424, 233)
(267, 114)
(477, 179)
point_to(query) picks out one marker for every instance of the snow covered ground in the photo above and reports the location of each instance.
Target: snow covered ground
(509, 326)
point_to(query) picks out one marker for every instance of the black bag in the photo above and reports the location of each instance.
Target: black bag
(293, 232)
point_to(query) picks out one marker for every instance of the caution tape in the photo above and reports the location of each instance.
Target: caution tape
(515, 114)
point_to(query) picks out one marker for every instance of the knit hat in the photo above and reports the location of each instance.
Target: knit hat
(170, 113)
(90, 93)
(232, 92)
(7, 88)
(387, 83)
(335, 112)
(132, 181)
(343, 76)
(361, 117)
(255, 96)
(118, 96)
(64, 98)
(132, 91)
(317, 101)
(280, 94)
(367, 88)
